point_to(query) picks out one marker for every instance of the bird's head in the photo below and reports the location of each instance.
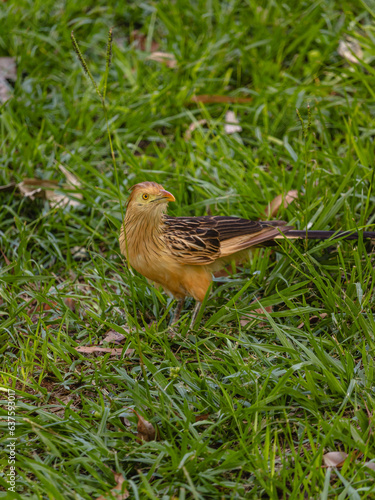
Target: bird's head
(149, 197)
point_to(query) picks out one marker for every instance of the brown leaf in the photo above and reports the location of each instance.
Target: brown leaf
(192, 127)
(231, 123)
(283, 200)
(35, 188)
(334, 458)
(313, 320)
(125, 421)
(199, 418)
(118, 491)
(113, 336)
(63, 199)
(8, 187)
(370, 465)
(7, 261)
(163, 57)
(140, 40)
(116, 351)
(146, 431)
(218, 99)
(39, 188)
(71, 303)
(255, 315)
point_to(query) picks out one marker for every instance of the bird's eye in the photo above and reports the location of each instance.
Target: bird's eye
(145, 196)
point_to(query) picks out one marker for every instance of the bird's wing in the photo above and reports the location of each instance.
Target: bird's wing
(190, 240)
(202, 240)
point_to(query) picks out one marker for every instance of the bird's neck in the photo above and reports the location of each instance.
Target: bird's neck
(141, 227)
(145, 219)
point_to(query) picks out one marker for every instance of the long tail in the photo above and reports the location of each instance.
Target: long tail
(325, 235)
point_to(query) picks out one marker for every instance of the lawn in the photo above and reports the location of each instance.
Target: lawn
(279, 371)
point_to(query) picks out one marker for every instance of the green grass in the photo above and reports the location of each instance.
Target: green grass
(240, 411)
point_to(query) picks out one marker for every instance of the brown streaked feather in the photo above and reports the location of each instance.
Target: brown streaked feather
(202, 240)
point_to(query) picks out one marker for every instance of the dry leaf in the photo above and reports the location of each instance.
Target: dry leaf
(199, 418)
(7, 261)
(255, 315)
(116, 351)
(164, 57)
(146, 431)
(35, 188)
(39, 188)
(276, 203)
(8, 71)
(62, 199)
(313, 320)
(218, 99)
(71, 303)
(8, 187)
(192, 127)
(140, 40)
(370, 465)
(231, 123)
(118, 492)
(126, 422)
(334, 458)
(113, 336)
(349, 49)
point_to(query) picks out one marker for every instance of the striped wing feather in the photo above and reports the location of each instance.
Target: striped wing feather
(202, 240)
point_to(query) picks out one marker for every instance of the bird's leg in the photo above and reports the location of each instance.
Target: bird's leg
(195, 313)
(177, 311)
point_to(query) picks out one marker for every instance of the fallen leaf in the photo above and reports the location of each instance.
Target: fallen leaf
(255, 315)
(113, 336)
(40, 188)
(35, 188)
(7, 261)
(63, 199)
(370, 465)
(125, 421)
(192, 127)
(334, 458)
(71, 303)
(283, 200)
(8, 71)
(163, 57)
(8, 187)
(231, 123)
(140, 40)
(313, 320)
(116, 351)
(118, 491)
(146, 431)
(349, 49)
(218, 99)
(199, 418)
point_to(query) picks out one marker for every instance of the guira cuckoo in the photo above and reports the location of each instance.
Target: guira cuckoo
(181, 253)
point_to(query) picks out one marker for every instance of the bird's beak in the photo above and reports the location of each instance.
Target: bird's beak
(165, 195)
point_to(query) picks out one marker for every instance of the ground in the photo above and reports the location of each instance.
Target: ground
(247, 405)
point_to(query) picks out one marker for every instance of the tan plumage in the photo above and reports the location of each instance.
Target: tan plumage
(181, 253)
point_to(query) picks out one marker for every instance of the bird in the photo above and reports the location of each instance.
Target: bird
(180, 254)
